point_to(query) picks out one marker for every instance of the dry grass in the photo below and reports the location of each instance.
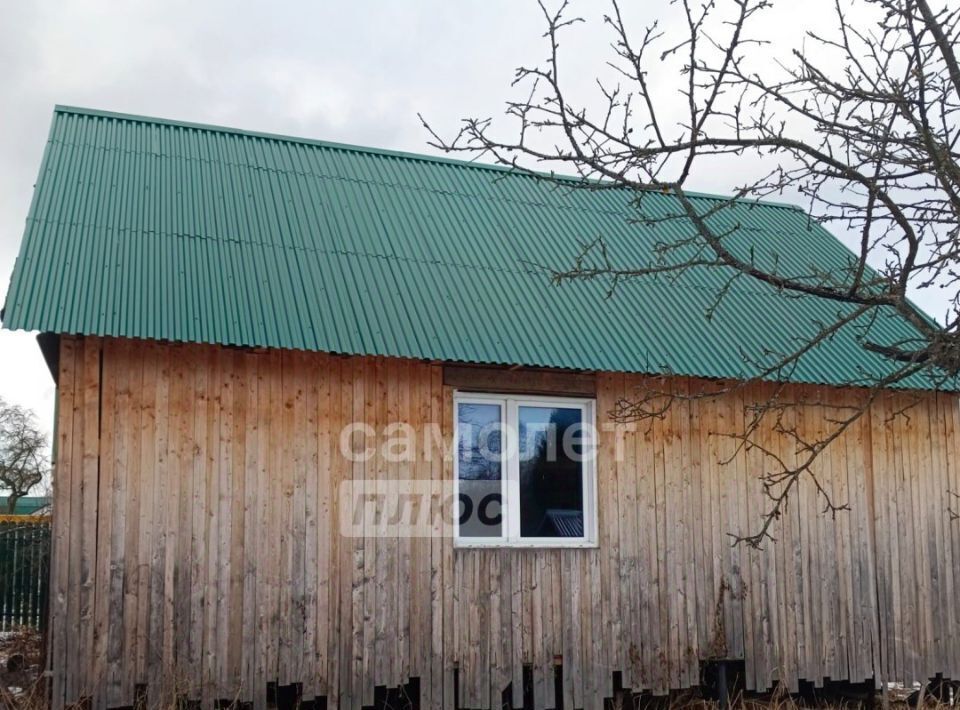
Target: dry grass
(897, 699)
(21, 669)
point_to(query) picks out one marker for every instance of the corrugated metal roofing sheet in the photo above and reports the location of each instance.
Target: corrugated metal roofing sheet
(149, 228)
(26, 505)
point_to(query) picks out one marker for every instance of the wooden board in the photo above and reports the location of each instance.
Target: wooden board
(201, 545)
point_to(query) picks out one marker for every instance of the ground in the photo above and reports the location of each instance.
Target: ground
(21, 669)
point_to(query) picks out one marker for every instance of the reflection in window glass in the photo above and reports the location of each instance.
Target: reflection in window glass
(479, 465)
(551, 472)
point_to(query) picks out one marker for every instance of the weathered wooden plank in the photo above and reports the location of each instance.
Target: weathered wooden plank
(107, 635)
(845, 633)
(248, 420)
(750, 466)
(808, 509)
(199, 568)
(441, 623)
(177, 587)
(463, 584)
(697, 561)
(75, 676)
(794, 562)
(307, 433)
(552, 620)
(387, 614)
(475, 667)
(493, 636)
(318, 521)
(163, 494)
(224, 524)
(610, 454)
(419, 617)
(333, 420)
(242, 474)
(302, 654)
(64, 473)
(772, 573)
(630, 550)
(592, 654)
(762, 566)
(848, 456)
(140, 364)
(406, 576)
(70, 541)
(889, 477)
(541, 663)
(933, 484)
(105, 522)
(375, 582)
(137, 593)
(908, 622)
(950, 413)
(364, 385)
(948, 409)
(204, 534)
(870, 580)
(264, 671)
(913, 459)
(519, 624)
(418, 620)
(670, 473)
(206, 526)
(89, 487)
(741, 482)
(717, 606)
(646, 578)
(860, 475)
(285, 473)
(348, 546)
(450, 651)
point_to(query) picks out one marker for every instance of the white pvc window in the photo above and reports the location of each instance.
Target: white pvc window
(524, 471)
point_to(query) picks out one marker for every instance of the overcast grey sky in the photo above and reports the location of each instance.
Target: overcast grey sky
(356, 72)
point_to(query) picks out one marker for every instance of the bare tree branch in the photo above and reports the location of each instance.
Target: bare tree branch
(862, 123)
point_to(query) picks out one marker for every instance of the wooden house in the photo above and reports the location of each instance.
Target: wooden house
(225, 311)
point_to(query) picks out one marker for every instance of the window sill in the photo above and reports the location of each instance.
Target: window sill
(526, 545)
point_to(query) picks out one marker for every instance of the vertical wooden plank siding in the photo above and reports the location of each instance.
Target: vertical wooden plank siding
(198, 541)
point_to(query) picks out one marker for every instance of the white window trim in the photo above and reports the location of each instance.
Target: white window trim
(510, 480)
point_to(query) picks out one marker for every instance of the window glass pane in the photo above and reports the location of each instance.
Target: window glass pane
(551, 472)
(480, 469)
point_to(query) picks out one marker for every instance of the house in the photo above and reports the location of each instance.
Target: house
(242, 326)
(27, 505)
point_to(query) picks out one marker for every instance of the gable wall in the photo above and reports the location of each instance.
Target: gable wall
(197, 546)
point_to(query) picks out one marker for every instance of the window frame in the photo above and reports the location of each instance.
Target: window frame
(510, 404)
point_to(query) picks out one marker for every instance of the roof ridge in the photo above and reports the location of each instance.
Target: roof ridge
(356, 148)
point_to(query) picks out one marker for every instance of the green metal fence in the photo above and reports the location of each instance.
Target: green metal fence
(24, 571)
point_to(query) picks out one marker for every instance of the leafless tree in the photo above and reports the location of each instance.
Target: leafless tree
(861, 122)
(23, 452)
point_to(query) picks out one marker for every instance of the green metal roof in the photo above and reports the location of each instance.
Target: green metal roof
(159, 229)
(27, 505)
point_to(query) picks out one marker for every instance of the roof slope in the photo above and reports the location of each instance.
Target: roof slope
(26, 505)
(149, 228)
